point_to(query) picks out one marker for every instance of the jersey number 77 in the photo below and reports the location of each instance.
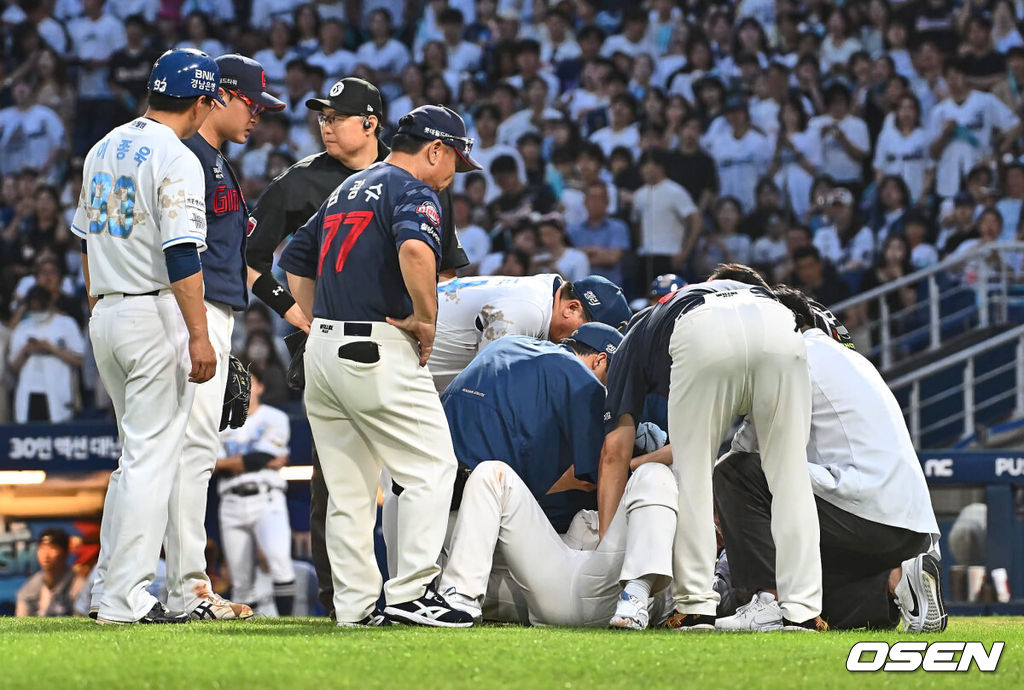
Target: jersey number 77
(358, 220)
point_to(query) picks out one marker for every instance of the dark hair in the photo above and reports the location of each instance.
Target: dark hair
(296, 63)
(805, 252)
(796, 302)
(407, 143)
(795, 101)
(138, 20)
(744, 23)
(907, 267)
(900, 183)
(56, 536)
(594, 151)
(450, 15)
(519, 255)
(590, 31)
(437, 77)
(257, 373)
(488, 109)
(740, 273)
(170, 104)
(504, 164)
(528, 45)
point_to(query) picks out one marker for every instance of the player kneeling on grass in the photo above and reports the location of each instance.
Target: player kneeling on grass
(539, 406)
(874, 511)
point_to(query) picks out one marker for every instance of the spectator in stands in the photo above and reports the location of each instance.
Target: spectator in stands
(1009, 89)
(412, 95)
(797, 155)
(839, 44)
(693, 168)
(95, 37)
(532, 117)
(891, 208)
(528, 64)
(332, 56)
(382, 55)
(463, 56)
(200, 35)
(633, 40)
(768, 253)
(474, 239)
(816, 277)
(515, 199)
(52, 590)
(48, 274)
(989, 227)
(983, 65)
(307, 27)
(916, 229)
(845, 142)
(52, 88)
(846, 243)
(668, 219)
(741, 154)
(46, 349)
(129, 69)
(261, 353)
(723, 244)
(602, 238)
(31, 135)
(958, 226)
(1009, 206)
(892, 264)
(623, 129)
(276, 56)
(767, 203)
(903, 150)
(555, 255)
(590, 165)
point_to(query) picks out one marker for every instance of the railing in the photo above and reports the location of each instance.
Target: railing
(973, 401)
(946, 306)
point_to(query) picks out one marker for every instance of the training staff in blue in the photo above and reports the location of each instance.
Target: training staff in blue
(366, 266)
(538, 407)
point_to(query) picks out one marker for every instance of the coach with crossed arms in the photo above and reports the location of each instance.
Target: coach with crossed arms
(350, 127)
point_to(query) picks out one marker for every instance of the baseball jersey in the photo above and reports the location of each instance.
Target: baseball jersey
(350, 246)
(474, 311)
(860, 455)
(642, 363)
(142, 192)
(267, 430)
(906, 156)
(535, 406)
(839, 164)
(224, 268)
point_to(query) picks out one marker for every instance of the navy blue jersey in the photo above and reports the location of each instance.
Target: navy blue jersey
(642, 363)
(226, 225)
(350, 246)
(535, 406)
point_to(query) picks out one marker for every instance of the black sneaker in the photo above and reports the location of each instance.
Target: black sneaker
(816, 624)
(376, 619)
(430, 610)
(690, 622)
(160, 614)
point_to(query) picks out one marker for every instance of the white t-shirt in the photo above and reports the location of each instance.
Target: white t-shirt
(465, 57)
(266, 430)
(274, 67)
(609, 139)
(620, 44)
(475, 242)
(576, 211)
(143, 192)
(27, 138)
(768, 252)
(794, 181)
(337, 65)
(835, 161)
(837, 54)
(46, 373)
(906, 156)
(391, 57)
(264, 12)
(977, 117)
(519, 123)
(860, 456)
(663, 212)
(572, 265)
(740, 162)
(861, 247)
(486, 156)
(95, 40)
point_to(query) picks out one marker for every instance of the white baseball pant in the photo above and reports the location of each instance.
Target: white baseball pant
(185, 544)
(739, 353)
(251, 522)
(365, 415)
(562, 585)
(141, 349)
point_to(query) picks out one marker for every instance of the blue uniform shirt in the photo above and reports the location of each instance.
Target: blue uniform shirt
(535, 406)
(350, 246)
(226, 226)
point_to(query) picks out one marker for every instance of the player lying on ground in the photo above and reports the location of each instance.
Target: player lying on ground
(874, 510)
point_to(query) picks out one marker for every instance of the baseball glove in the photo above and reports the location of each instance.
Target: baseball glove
(236, 395)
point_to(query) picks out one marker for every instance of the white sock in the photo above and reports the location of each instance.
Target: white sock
(640, 587)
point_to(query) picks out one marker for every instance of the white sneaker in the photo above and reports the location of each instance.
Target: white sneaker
(630, 614)
(919, 595)
(462, 603)
(214, 607)
(761, 614)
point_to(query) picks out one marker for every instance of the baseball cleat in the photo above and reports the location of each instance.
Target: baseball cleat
(157, 615)
(690, 622)
(430, 610)
(376, 619)
(919, 595)
(94, 612)
(760, 614)
(630, 614)
(462, 603)
(214, 607)
(814, 625)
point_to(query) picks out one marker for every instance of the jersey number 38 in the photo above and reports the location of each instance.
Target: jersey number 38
(112, 204)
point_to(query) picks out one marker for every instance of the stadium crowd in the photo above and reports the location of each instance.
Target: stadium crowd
(835, 146)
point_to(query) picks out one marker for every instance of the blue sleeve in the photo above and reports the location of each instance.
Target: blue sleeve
(417, 216)
(300, 256)
(621, 240)
(627, 383)
(582, 420)
(182, 261)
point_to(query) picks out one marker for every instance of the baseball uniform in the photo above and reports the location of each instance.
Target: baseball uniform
(253, 509)
(142, 193)
(718, 349)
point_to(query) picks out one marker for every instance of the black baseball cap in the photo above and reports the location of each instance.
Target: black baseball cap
(439, 122)
(245, 75)
(350, 96)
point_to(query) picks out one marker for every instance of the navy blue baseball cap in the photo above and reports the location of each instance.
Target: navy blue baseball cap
(665, 284)
(246, 76)
(599, 336)
(603, 301)
(185, 73)
(439, 122)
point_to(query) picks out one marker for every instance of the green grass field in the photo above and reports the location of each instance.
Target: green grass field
(311, 653)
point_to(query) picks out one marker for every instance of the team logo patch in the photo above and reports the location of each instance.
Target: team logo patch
(252, 226)
(591, 298)
(337, 89)
(428, 209)
(610, 349)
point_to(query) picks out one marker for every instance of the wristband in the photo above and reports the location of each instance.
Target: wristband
(254, 462)
(273, 294)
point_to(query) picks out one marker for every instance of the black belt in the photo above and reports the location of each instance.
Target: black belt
(249, 489)
(153, 293)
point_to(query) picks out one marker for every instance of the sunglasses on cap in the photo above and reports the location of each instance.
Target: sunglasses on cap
(254, 107)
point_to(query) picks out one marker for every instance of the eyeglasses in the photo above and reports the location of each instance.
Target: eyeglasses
(329, 120)
(454, 141)
(254, 107)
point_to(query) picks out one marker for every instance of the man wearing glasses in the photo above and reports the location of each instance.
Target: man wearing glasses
(350, 127)
(243, 90)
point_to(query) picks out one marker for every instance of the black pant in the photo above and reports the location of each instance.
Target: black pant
(318, 535)
(856, 554)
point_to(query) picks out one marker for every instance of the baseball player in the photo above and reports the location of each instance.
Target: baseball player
(472, 312)
(350, 127)
(242, 88)
(718, 349)
(253, 509)
(143, 216)
(365, 266)
(875, 513)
